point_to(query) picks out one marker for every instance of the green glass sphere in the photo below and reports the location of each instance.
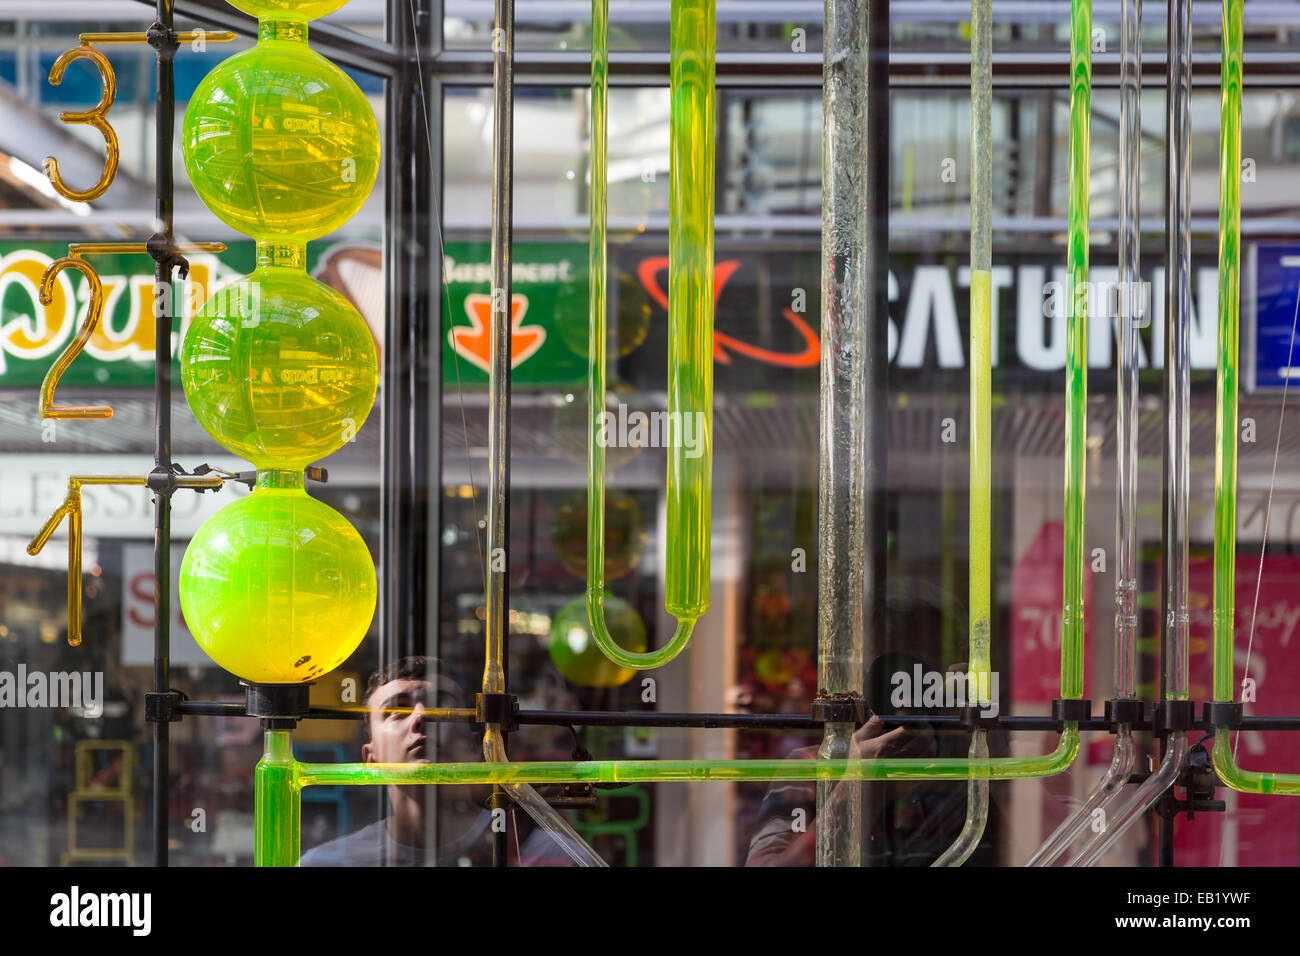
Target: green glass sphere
(575, 652)
(280, 143)
(288, 9)
(628, 320)
(280, 369)
(625, 534)
(278, 588)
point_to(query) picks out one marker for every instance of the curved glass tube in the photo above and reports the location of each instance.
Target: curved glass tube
(1142, 801)
(690, 317)
(977, 809)
(1225, 452)
(535, 805)
(1110, 786)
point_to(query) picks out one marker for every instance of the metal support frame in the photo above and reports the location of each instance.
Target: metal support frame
(417, 69)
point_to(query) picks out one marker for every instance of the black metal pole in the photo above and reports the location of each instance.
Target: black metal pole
(498, 596)
(163, 40)
(877, 360)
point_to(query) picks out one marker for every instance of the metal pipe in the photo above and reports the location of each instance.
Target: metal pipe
(498, 531)
(165, 133)
(842, 515)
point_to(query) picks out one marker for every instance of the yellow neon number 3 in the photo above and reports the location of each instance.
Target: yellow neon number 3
(93, 117)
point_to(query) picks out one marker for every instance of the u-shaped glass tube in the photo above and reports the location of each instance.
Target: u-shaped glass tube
(690, 335)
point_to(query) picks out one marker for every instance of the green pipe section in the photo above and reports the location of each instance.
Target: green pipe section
(1076, 347)
(281, 779)
(1225, 453)
(277, 807)
(690, 334)
(690, 771)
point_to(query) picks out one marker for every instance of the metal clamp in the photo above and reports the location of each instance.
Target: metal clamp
(1174, 715)
(162, 707)
(500, 709)
(839, 709)
(1126, 710)
(1223, 713)
(1071, 710)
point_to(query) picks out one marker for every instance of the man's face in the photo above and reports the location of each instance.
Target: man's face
(398, 737)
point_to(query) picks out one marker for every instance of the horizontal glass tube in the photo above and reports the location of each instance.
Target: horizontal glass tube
(667, 771)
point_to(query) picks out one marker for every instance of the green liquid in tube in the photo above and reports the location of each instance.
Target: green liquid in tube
(1076, 357)
(1225, 498)
(690, 306)
(690, 317)
(981, 499)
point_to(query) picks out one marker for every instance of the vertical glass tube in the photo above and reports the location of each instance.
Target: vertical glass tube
(1139, 804)
(498, 519)
(1225, 433)
(690, 308)
(842, 511)
(1076, 345)
(1130, 301)
(277, 802)
(1176, 492)
(1178, 299)
(1225, 452)
(979, 662)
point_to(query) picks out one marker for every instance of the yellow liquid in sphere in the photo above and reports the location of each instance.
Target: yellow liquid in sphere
(575, 652)
(280, 369)
(288, 9)
(278, 588)
(280, 143)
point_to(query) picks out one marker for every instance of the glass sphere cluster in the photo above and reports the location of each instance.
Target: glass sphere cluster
(281, 145)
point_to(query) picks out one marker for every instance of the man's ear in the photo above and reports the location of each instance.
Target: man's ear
(367, 753)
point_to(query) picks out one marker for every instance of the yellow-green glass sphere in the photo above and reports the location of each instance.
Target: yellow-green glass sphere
(280, 143)
(280, 369)
(288, 9)
(278, 588)
(575, 652)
